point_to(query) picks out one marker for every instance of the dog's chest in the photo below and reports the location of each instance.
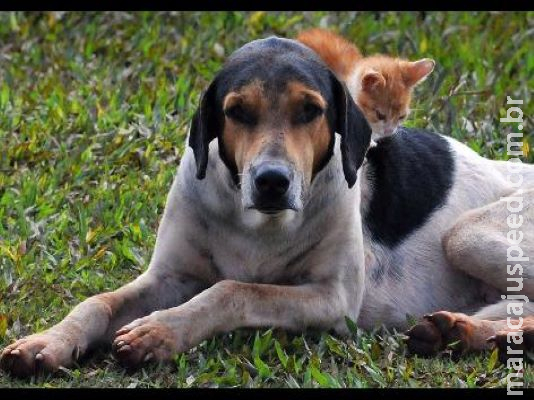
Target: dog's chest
(253, 258)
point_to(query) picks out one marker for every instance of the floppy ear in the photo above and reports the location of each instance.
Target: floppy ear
(354, 130)
(205, 127)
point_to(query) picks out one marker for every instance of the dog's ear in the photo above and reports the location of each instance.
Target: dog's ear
(205, 126)
(354, 130)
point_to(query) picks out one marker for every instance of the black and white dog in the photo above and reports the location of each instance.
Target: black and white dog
(277, 217)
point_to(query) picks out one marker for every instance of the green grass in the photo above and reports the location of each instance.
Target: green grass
(94, 110)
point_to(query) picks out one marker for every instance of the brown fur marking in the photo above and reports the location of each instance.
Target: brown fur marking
(442, 328)
(304, 144)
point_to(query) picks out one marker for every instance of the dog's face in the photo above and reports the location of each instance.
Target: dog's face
(275, 141)
(274, 109)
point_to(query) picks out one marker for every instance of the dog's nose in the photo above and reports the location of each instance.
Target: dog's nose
(272, 180)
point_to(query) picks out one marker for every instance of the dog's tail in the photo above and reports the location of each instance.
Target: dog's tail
(338, 53)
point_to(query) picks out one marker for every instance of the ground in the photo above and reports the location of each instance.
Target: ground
(94, 109)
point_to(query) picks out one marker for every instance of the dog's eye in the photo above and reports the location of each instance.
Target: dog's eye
(380, 116)
(402, 117)
(239, 114)
(308, 113)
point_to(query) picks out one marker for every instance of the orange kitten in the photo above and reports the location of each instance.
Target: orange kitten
(380, 85)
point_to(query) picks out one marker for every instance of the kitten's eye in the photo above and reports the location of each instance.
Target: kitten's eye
(380, 116)
(402, 117)
(239, 114)
(309, 112)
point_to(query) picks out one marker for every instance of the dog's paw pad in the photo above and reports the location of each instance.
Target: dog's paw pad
(438, 330)
(424, 339)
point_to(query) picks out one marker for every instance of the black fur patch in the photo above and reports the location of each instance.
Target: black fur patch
(410, 174)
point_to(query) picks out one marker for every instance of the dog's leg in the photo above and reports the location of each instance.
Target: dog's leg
(228, 305)
(496, 245)
(174, 276)
(463, 333)
(516, 334)
(92, 322)
(480, 244)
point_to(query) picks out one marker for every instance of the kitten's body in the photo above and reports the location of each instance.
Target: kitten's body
(380, 85)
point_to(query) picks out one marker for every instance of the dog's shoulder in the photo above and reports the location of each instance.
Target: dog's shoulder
(410, 175)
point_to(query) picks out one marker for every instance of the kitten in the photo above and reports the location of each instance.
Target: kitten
(380, 85)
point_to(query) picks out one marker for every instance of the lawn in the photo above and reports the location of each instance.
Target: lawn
(94, 110)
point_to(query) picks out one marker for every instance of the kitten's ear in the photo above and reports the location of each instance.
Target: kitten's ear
(371, 79)
(415, 72)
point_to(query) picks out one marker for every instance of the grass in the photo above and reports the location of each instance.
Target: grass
(94, 110)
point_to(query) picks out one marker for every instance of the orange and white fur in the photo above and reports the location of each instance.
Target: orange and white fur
(380, 85)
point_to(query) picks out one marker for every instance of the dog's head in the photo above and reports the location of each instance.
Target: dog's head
(274, 109)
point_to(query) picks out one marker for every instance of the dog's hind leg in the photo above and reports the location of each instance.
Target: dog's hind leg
(463, 333)
(495, 244)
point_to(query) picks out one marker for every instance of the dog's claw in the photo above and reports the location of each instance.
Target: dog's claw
(76, 353)
(404, 337)
(119, 343)
(124, 348)
(122, 331)
(15, 352)
(148, 357)
(39, 357)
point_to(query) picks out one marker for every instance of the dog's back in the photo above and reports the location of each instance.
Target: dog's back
(415, 186)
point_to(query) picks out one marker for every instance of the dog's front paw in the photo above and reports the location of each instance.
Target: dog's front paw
(145, 339)
(437, 330)
(42, 352)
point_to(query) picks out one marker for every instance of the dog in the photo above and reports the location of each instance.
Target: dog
(281, 216)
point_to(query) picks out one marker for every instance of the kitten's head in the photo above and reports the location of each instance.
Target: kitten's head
(382, 88)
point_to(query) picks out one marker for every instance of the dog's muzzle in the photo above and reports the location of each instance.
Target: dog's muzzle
(271, 183)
